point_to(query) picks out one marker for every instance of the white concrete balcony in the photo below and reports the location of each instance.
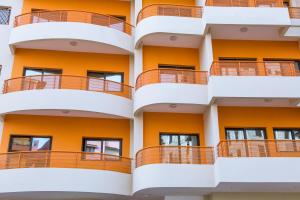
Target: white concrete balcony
(168, 90)
(62, 95)
(169, 25)
(67, 30)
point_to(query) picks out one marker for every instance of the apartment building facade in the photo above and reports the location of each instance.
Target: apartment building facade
(150, 100)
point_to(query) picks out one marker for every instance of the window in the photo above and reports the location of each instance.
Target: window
(179, 139)
(4, 15)
(254, 144)
(287, 134)
(29, 143)
(280, 68)
(245, 134)
(238, 66)
(40, 78)
(168, 74)
(96, 81)
(103, 146)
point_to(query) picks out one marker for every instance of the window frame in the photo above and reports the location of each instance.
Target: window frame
(105, 73)
(84, 139)
(244, 132)
(9, 14)
(178, 67)
(31, 139)
(178, 135)
(293, 138)
(42, 69)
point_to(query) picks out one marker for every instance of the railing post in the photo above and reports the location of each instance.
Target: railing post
(19, 160)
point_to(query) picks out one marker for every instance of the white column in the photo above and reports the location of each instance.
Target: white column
(138, 127)
(138, 62)
(138, 5)
(1, 127)
(211, 126)
(184, 198)
(206, 52)
(6, 57)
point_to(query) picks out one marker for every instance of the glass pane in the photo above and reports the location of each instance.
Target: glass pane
(257, 134)
(297, 134)
(20, 144)
(112, 148)
(237, 134)
(188, 140)
(114, 77)
(4, 15)
(96, 75)
(33, 72)
(283, 134)
(40, 144)
(93, 146)
(96, 84)
(52, 72)
(170, 140)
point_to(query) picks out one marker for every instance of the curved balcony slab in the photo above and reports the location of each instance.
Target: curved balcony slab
(173, 178)
(160, 97)
(71, 36)
(66, 103)
(159, 30)
(59, 183)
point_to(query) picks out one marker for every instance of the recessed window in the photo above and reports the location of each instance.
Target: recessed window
(40, 78)
(4, 15)
(172, 139)
(97, 81)
(245, 134)
(29, 143)
(238, 66)
(287, 139)
(103, 146)
(168, 74)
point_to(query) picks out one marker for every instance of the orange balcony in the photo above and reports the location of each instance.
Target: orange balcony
(74, 16)
(171, 76)
(41, 82)
(61, 159)
(245, 3)
(175, 155)
(294, 13)
(169, 10)
(259, 148)
(249, 68)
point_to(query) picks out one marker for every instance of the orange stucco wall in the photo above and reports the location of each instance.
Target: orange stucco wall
(71, 63)
(111, 7)
(66, 132)
(154, 123)
(174, 2)
(154, 55)
(250, 117)
(256, 49)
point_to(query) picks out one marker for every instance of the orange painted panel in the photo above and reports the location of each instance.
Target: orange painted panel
(175, 2)
(66, 132)
(255, 117)
(154, 123)
(72, 63)
(110, 7)
(154, 55)
(256, 49)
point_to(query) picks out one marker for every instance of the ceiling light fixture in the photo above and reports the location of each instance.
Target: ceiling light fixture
(244, 29)
(73, 43)
(173, 38)
(65, 111)
(173, 105)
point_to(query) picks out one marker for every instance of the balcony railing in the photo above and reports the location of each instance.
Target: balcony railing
(41, 82)
(74, 16)
(294, 12)
(169, 10)
(245, 3)
(259, 148)
(60, 159)
(249, 68)
(175, 155)
(171, 76)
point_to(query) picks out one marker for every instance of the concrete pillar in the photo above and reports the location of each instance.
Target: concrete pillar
(211, 127)
(138, 5)
(206, 52)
